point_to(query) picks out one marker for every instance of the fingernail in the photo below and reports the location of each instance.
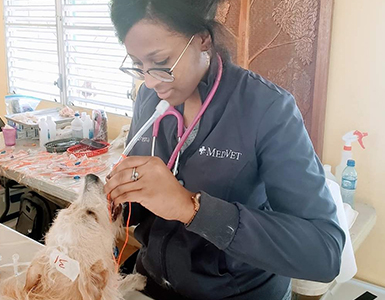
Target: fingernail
(108, 177)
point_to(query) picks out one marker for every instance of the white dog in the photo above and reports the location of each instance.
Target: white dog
(77, 262)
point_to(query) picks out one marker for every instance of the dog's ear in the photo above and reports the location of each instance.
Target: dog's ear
(33, 277)
(96, 282)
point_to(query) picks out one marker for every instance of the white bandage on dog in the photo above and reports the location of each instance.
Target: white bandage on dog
(65, 265)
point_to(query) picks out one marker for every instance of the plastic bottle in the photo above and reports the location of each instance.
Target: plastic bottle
(51, 129)
(88, 128)
(83, 116)
(77, 126)
(100, 125)
(349, 183)
(328, 173)
(349, 138)
(43, 132)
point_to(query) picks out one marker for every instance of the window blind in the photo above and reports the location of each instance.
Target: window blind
(31, 47)
(66, 51)
(93, 56)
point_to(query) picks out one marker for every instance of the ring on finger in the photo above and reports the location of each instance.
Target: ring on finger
(134, 175)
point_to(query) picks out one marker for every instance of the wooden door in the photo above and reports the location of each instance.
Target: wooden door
(287, 42)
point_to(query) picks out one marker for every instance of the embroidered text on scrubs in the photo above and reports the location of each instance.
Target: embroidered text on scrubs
(221, 154)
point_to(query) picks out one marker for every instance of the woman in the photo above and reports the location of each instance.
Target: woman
(248, 208)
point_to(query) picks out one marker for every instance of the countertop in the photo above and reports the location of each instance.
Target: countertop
(62, 193)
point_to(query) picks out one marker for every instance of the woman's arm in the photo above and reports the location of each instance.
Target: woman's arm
(300, 237)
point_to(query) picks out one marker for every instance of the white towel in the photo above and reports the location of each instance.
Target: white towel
(351, 215)
(348, 263)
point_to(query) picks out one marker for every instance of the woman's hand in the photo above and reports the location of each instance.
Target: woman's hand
(155, 189)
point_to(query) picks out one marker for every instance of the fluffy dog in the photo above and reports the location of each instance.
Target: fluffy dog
(82, 232)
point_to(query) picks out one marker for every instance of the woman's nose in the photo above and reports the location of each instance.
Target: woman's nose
(150, 81)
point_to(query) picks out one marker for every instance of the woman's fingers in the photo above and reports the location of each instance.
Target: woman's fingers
(125, 172)
(132, 196)
(155, 188)
(129, 163)
(122, 177)
(124, 188)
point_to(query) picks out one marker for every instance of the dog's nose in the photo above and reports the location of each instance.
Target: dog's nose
(93, 188)
(92, 178)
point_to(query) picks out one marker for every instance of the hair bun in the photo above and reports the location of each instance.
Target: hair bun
(212, 9)
(205, 8)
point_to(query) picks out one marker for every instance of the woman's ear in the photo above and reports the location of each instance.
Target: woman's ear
(206, 41)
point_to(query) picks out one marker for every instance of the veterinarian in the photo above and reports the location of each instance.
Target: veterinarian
(249, 207)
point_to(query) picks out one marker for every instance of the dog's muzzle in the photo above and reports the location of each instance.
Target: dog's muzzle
(92, 178)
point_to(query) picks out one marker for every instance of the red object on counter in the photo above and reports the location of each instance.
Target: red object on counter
(81, 150)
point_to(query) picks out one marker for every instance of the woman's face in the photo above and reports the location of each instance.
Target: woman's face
(152, 45)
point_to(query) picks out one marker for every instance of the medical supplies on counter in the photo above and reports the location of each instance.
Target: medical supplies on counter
(27, 124)
(49, 166)
(88, 128)
(49, 125)
(99, 117)
(60, 146)
(9, 134)
(88, 148)
(15, 104)
(77, 126)
(67, 112)
(51, 129)
(83, 127)
(43, 132)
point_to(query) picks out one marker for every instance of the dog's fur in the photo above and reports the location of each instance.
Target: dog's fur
(84, 233)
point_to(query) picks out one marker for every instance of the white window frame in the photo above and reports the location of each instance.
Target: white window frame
(123, 107)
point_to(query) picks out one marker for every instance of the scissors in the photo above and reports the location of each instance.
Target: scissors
(171, 111)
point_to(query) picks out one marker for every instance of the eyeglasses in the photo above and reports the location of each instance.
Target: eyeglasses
(162, 74)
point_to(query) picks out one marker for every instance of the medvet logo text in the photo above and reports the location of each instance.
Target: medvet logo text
(144, 139)
(221, 154)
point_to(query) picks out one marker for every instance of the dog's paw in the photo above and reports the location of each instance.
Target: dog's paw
(132, 282)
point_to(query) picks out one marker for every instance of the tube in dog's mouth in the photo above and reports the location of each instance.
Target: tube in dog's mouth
(116, 210)
(93, 184)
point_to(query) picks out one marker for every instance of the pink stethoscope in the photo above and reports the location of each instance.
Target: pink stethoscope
(182, 137)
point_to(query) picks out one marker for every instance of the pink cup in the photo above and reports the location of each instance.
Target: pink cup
(9, 136)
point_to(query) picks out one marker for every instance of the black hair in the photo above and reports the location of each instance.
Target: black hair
(187, 17)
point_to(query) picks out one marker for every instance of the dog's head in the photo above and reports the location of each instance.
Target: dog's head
(88, 215)
(86, 221)
(84, 233)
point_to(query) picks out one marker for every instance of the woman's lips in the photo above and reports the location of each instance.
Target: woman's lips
(164, 95)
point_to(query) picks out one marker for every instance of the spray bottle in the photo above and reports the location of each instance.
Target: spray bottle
(349, 138)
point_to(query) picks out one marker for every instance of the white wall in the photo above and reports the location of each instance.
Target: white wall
(356, 101)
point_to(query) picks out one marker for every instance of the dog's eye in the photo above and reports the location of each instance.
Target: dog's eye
(91, 213)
